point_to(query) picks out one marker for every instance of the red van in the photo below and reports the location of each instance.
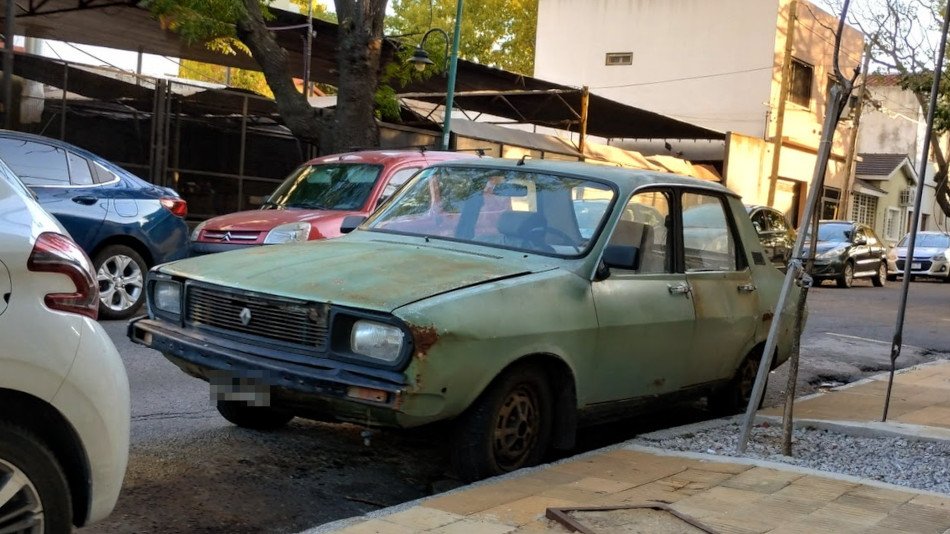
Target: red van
(312, 202)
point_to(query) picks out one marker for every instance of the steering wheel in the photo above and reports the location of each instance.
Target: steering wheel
(536, 236)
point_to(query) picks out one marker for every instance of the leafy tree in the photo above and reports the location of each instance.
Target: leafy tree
(498, 33)
(904, 37)
(238, 26)
(208, 72)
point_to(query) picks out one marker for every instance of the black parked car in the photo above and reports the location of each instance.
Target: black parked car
(775, 233)
(847, 250)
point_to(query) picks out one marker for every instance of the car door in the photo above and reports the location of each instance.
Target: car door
(63, 183)
(864, 260)
(645, 315)
(876, 250)
(724, 297)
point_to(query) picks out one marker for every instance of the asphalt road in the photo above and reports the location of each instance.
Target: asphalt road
(191, 471)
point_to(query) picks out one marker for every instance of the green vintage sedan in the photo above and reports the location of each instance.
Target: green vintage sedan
(517, 301)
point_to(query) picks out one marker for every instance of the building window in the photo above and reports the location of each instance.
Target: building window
(830, 197)
(892, 221)
(864, 209)
(619, 58)
(799, 86)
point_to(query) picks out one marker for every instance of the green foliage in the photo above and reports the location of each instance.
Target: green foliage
(244, 79)
(499, 33)
(320, 10)
(199, 20)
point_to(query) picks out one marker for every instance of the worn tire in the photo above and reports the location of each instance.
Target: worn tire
(517, 405)
(253, 417)
(847, 276)
(47, 492)
(734, 397)
(120, 302)
(878, 280)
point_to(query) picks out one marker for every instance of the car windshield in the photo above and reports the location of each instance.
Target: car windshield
(540, 213)
(328, 186)
(832, 233)
(927, 241)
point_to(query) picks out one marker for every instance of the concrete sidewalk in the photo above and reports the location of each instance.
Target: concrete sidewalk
(722, 494)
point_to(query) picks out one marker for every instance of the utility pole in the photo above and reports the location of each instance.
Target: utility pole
(845, 204)
(782, 97)
(308, 51)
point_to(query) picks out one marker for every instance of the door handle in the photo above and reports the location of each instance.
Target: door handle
(746, 288)
(678, 289)
(85, 200)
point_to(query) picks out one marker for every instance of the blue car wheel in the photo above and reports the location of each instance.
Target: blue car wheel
(121, 275)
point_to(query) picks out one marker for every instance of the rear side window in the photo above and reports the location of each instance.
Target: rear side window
(79, 170)
(103, 174)
(35, 163)
(760, 220)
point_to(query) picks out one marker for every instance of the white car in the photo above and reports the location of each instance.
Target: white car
(931, 256)
(64, 393)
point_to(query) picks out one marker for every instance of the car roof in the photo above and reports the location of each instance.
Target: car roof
(624, 176)
(388, 156)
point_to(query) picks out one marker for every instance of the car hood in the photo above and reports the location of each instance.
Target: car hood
(919, 252)
(371, 274)
(822, 247)
(264, 220)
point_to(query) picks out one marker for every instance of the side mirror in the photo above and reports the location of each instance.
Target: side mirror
(860, 240)
(622, 256)
(350, 222)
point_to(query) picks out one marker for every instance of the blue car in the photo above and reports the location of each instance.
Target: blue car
(125, 224)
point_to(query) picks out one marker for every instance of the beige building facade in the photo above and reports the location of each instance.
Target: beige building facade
(719, 65)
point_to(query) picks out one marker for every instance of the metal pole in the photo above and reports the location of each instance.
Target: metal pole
(782, 97)
(8, 66)
(918, 200)
(453, 66)
(308, 51)
(242, 154)
(795, 265)
(62, 118)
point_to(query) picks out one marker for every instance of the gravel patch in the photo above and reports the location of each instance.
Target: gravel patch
(923, 465)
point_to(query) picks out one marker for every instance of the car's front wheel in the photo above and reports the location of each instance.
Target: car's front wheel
(253, 417)
(34, 494)
(881, 277)
(508, 427)
(121, 275)
(847, 275)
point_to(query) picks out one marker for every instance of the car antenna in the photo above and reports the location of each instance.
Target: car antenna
(521, 161)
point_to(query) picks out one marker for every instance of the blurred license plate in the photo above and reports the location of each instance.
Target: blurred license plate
(915, 266)
(243, 389)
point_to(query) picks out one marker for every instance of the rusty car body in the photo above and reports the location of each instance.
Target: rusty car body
(477, 296)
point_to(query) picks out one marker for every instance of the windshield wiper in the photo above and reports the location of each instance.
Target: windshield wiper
(306, 205)
(270, 204)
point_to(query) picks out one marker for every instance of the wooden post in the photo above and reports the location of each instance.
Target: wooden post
(782, 97)
(582, 139)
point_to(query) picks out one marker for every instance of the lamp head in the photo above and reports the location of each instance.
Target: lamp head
(420, 59)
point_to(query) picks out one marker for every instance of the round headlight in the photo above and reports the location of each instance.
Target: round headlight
(376, 340)
(166, 295)
(288, 233)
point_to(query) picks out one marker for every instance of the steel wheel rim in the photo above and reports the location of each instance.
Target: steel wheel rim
(517, 427)
(120, 282)
(21, 510)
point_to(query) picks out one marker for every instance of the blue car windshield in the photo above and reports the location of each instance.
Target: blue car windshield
(540, 213)
(927, 241)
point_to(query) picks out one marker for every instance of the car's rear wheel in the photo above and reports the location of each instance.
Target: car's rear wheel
(34, 494)
(881, 277)
(734, 397)
(121, 275)
(253, 417)
(847, 275)
(508, 427)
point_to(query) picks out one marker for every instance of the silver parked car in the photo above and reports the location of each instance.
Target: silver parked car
(931, 256)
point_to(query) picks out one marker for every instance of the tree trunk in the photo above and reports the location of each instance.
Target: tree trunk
(303, 120)
(360, 43)
(941, 192)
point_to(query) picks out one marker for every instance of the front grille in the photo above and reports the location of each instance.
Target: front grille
(227, 237)
(289, 321)
(924, 265)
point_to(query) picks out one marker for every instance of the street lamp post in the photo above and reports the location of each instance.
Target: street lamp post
(420, 59)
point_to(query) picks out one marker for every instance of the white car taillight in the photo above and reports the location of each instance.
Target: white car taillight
(56, 253)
